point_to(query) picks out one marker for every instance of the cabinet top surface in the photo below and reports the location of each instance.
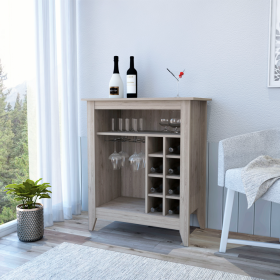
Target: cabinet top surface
(147, 99)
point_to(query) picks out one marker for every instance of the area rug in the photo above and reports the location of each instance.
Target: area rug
(71, 261)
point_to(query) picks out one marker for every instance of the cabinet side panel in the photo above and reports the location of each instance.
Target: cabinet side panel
(201, 211)
(91, 165)
(185, 172)
(107, 180)
(195, 162)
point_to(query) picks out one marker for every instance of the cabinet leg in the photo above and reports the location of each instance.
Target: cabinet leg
(91, 227)
(201, 216)
(185, 238)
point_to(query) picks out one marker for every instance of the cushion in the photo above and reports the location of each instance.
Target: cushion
(234, 182)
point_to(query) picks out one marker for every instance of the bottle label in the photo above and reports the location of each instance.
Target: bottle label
(131, 83)
(114, 90)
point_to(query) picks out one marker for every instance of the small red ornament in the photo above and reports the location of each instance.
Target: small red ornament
(181, 73)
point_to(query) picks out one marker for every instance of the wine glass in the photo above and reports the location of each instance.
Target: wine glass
(165, 123)
(135, 159)
(115, 157)
(124, 155)
(175, 123)
(141, 155)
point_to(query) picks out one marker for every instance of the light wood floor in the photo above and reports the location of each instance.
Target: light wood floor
(150, 242)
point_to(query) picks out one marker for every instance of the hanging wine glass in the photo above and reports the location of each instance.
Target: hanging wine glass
(141, 155)
(134, 159)
(115, 157)
(124, 155)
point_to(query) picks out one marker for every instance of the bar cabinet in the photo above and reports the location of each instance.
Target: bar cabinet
(123, 195)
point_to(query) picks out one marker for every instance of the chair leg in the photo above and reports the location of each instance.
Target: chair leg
(227, 218)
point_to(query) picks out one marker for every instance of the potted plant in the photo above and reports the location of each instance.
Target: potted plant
(30, 218)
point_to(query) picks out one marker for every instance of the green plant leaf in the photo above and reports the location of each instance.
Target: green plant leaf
(31, 182)
(38, 181)
(45, 196)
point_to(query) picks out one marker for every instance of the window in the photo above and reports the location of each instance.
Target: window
(17, 87)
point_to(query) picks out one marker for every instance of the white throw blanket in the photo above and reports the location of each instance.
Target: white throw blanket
(258, 176)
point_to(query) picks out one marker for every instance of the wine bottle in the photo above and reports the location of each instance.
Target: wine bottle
(131, 80)
(175, 150)
(157, 189)
(157, 208)
(174, 171)
(174, 190)
(116, 84)
(174, 210)
(157, 169)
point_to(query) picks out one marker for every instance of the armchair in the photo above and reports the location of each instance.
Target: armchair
(234, 154)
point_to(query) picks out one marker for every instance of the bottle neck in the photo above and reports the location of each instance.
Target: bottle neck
(132, 63)
(116, 67)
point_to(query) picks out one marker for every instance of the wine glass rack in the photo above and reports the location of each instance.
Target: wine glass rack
(125, 196)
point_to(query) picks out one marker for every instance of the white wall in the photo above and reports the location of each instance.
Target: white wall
(222, 44)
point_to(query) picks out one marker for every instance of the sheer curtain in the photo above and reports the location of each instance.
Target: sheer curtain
(58, 142)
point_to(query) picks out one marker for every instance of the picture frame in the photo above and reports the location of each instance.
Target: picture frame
(274, 45)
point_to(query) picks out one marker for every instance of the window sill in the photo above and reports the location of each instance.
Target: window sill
(8, 228)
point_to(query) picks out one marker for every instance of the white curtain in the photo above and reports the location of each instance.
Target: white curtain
(58, 141)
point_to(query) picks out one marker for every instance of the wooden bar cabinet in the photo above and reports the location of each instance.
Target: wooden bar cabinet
(123, 195)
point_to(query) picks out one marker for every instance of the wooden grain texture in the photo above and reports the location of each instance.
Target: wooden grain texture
(150, 242)
(132, 210)
(185, 172)
(201, 211)
(134, 104)
(113, 184)
(129, 100)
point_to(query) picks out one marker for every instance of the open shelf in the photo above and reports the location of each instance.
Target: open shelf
(157, 154)
(157, 175)
(140, 133)
(132, 210)
(173, 176)
(122, 203)
(155, 194)
(172, 156)
(173, 196)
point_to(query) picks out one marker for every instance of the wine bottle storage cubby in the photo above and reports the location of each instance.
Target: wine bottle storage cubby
(157, 185)
(175, 144)
(123, 194)
(174, 185)
(155, 204)
(172, 205)
(172, 164)
(155, 147)
(155, 167)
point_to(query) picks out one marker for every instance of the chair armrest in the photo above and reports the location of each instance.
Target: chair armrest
(238, 151)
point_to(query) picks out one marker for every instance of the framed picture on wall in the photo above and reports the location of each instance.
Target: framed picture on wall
(274, 45)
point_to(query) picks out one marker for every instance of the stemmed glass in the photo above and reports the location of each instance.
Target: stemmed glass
(175, 123)
(116, 158)
(124, 155)
(141, 155)
(135, 159)
(165, 123)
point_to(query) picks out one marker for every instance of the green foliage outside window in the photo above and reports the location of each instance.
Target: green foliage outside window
(14, 164)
